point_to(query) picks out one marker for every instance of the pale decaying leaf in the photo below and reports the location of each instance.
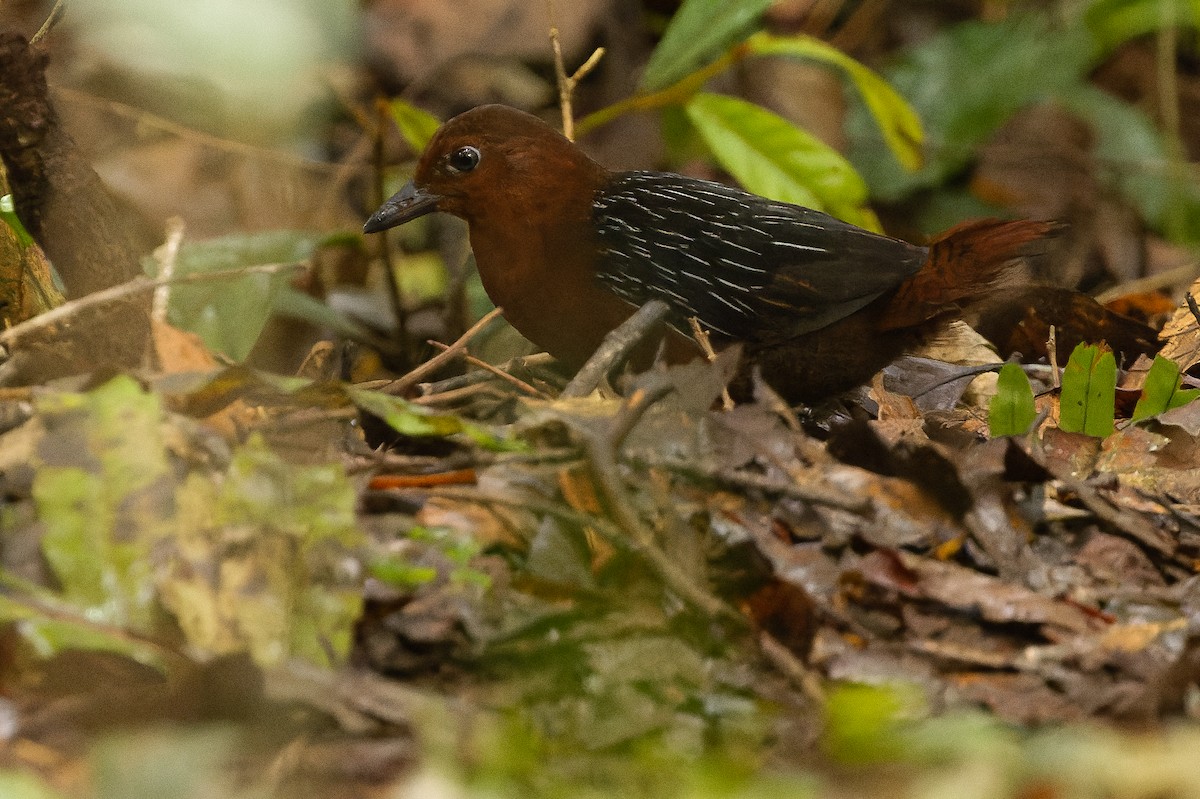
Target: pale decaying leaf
(1181, 334)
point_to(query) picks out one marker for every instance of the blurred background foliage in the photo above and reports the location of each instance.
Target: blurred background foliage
(270, 129)
(256, 122)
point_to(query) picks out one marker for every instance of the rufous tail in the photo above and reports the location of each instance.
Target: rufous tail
(965, 264)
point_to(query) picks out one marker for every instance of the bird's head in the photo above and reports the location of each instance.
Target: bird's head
(492, 157)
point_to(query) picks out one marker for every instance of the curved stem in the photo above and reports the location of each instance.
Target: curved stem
(675, 94)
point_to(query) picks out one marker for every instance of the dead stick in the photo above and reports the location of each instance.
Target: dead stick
(401, 385)
(616, 348)
(139, 285)
(701, 336)
(495, 370)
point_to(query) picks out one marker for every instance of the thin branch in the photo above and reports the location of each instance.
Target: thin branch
(403, 384)
(791, 667)
(674, 94)
(1052, 354)
(605, 473)
(139, 285)
(520, 384)
(733, 478)
(633, 409)
(167, 256)
(395, 294)
(52, 20)
(616, 348)
(701, 336)
(472, 378)
(567, 83)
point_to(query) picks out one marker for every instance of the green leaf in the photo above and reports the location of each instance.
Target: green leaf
(257, 559)
(50, 625)
(413, 420)
(24, 785)
(404, 417)
(230, 314)
(770, 156)
(863, 723)
(1161, 391)
(1087, 403)
(415, 125)
(103, 506)
(1012, 410)
(699, 31)
(8, 215)
(897, 120)
(395, 571)
(1125, 136)
(964, 83)
(1114, 22)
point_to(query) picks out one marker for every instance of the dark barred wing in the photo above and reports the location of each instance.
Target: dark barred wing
(748, 268)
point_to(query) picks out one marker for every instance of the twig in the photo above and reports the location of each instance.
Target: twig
(472, 378)
(52, 20)
(604, 527)
(401, 385)
(791, 667)
(604, 469)
(167, 256)
(567, 83)
(674, 94)
(701, 336)
(1052, 354)
(632, 411)
(738, 479)
(520, 384)
(1160, 280)
(1166, 54)
(616, 348)
(319, 170)
(395, 294)
(1191, 304)
(138, 285)
(455, 395)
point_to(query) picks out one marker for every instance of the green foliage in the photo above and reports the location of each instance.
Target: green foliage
(412, 420)
(399, 573)
(167, 764)
(278, 530)
(1162, 391)
(862, 722)
(244, 559)
(898, 122)
(1087, 403)
(415, 125)
(772, 157)
(1012, 410)
(1113, 22)
(229, 314)
(1025, 60)
(8, 215)
(1010, 64)
(1126, 137)
(699, 31)
(767, 153)
(19, 785)
(103, 507)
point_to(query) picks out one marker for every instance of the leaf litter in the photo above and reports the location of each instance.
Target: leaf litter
(626, 577)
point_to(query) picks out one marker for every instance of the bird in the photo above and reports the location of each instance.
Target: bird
(569, 250)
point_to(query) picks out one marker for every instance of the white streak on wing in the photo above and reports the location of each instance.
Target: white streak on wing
(757, 270)
(794, 246)
(736, 286)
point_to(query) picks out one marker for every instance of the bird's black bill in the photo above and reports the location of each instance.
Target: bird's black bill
(406, 204)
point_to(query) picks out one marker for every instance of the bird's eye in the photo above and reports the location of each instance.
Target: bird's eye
(464, 159)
